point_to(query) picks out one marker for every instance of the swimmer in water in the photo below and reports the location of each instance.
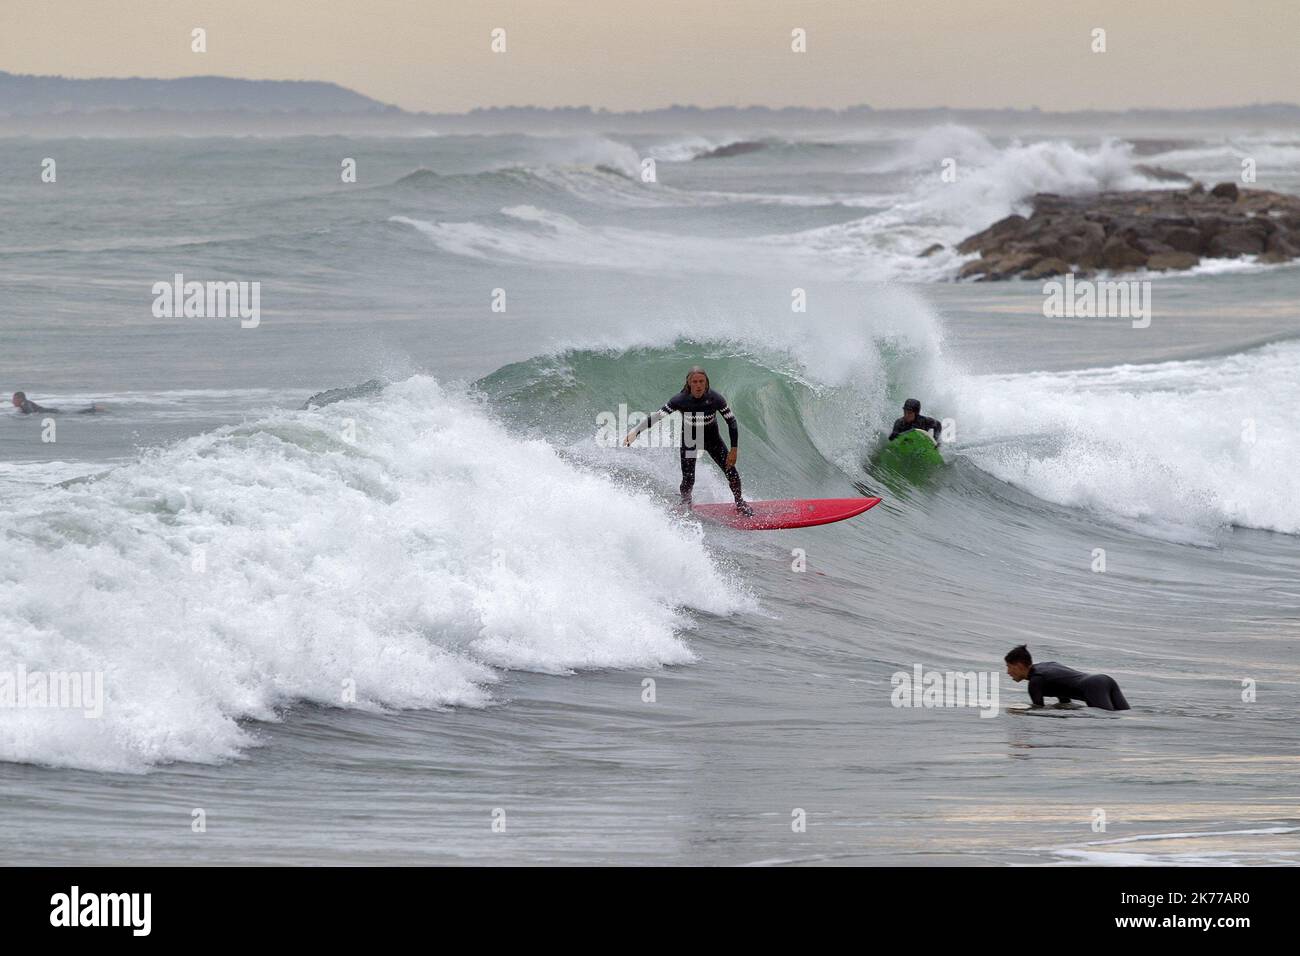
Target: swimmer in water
(28, 407)
(1051, 679)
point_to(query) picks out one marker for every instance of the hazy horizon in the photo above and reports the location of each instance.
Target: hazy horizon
(926, 55)
(524, 106)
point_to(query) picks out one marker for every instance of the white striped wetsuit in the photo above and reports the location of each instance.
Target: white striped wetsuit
(700, 430)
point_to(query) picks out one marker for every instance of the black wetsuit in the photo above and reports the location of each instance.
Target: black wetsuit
(700, 430)
(923, 422)
(1051, 679)
(29, 407)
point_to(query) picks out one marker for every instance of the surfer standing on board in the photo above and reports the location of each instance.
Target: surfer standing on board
(912, 418)
(1051, 679)
(700, 406)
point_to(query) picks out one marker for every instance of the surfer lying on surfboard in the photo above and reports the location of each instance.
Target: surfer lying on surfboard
(1050, 679)
(912, 418)
(28, 407)
(700, 406)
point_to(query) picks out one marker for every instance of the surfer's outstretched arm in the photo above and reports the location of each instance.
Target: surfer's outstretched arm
(651, 420)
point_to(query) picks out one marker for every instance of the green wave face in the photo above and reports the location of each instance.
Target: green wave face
(798, 438)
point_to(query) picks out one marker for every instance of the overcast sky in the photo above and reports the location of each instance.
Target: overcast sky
(638, 54)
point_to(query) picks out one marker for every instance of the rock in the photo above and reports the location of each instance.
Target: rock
(1123, 231)
(988, 238)
(1182, 238)
(1232, 243)
(1047, 267)
(1003, 267)
(1209, 227)
(370, 387)
(931, 250)
(1118, 256)
(1285, 242)
(1082, 246)
(1280, 248)
(1152, 247)
(1173, 261)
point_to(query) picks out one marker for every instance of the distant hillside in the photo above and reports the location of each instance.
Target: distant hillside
(221, 106)
(45, 95)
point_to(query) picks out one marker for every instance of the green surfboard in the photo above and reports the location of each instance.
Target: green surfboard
(911, 450)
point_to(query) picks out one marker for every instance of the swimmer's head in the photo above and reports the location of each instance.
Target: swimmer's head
(19, 398)
(1019, 660)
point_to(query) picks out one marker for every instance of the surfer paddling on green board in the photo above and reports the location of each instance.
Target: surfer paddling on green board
(1051, 679)
(700, 406)
(912, 418)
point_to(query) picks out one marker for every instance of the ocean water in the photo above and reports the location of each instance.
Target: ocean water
(440, 599)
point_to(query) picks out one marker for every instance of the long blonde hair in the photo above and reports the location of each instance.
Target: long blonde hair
(695, 368)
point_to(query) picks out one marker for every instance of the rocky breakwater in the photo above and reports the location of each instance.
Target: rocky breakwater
(1144, 229)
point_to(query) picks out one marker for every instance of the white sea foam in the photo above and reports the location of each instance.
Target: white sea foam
(1183, 447)
(587, 150)
(239, 572)
(991, 182)
(535, 235)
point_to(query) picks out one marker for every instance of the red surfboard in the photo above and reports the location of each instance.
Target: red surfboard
(793, 513)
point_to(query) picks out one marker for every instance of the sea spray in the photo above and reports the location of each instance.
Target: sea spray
(407, 569)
